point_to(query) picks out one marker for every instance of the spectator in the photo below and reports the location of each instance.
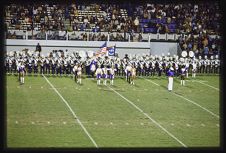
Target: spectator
(38, 48)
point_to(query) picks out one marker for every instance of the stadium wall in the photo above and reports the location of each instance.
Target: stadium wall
(122, 48)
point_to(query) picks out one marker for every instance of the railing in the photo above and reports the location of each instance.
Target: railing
(92, 36)
(88, 36)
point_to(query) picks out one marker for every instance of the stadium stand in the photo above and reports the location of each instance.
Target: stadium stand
(186, 22)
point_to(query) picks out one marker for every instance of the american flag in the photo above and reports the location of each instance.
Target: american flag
(103, 50)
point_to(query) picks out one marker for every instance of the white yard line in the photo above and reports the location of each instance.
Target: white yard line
(194, 103)
(208, 85)
(217, 116)
(151, 81)
(73, 113)
(155, 122)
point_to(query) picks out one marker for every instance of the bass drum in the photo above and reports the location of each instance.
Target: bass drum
(191, 54)
(184, 53)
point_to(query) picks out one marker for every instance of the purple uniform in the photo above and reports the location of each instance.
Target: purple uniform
(98, 76)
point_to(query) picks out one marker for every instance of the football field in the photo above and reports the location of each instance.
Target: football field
(50, 111)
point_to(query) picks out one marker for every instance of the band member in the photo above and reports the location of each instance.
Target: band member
(22, 72)
(92, 68)
(170, 74)
(112, 75)
(35, 65)
(79, 73)
(42, 65)
(75, 71)
(128, 72)
(98, 74)
(47, 66)
(183, 73)
(186, 67)
(194, 69)
(133, 74)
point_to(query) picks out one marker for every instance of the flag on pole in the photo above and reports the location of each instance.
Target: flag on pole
(103, 50)
(111, 50)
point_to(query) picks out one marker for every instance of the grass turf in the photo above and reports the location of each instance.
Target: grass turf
(37, 116)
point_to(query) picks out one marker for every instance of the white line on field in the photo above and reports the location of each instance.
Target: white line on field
(151, 81)
(188, 124)
(149, 117)
(73, 113)
(217, 116)
(194, 103)
(207, 85)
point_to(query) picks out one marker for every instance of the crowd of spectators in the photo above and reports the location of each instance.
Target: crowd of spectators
(202, 45)
(120, 22)
(104, 17)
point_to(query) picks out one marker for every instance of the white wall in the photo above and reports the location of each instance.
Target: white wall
(122, 48)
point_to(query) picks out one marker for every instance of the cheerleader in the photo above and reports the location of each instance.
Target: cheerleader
(98, 74)
(104, 75)
(22, 72)
(133, 74)
(112, 75)
(79, 73)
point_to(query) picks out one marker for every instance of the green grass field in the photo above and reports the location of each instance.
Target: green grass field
(123, 115)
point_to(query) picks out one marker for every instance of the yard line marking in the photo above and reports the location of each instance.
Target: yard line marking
(73, 113)
(207, 85)
(149, 117)
(217, 116)
(151, 81)
(196, 80)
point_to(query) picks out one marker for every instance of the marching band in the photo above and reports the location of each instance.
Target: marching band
(105, 68)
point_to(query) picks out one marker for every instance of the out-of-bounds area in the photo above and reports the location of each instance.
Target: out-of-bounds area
(50, 111)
